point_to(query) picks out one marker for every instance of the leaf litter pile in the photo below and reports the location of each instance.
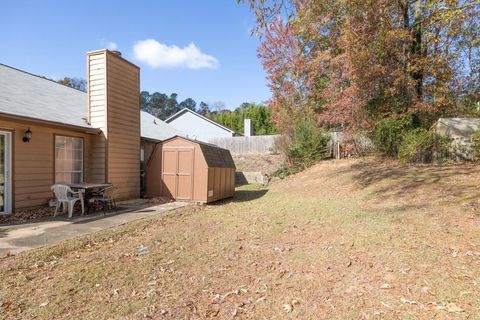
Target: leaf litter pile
(349, 239)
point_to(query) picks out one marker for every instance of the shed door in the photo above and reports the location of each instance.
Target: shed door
(169, 173)
(184, 174)
(177, 173)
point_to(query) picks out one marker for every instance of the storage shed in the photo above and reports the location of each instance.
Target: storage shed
(190, 170)
(459, 131)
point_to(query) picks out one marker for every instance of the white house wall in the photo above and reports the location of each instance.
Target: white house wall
(197, 128)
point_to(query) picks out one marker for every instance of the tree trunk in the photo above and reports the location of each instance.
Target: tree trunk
(417, 51)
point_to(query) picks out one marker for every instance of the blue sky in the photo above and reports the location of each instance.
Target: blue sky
(198, 49)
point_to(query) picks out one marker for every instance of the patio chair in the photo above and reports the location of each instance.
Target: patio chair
(67, 198)
(106, 197)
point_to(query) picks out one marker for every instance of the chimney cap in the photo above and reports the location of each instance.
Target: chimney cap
(118, 53)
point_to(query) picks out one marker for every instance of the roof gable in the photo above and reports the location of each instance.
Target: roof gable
(185, 110)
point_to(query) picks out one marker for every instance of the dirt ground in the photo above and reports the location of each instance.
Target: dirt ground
(265, 163)
(348, 239)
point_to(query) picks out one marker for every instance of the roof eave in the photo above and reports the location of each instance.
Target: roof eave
(150, 139)
(52, 123)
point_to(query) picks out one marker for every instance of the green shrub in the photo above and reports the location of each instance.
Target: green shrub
(475, 138)
(306, 145)
(421, 145)
(388, 134)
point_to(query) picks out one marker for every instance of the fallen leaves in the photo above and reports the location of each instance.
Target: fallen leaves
(287, 308)
(142, 250)
(404, 300)
(385, 286)
(452, 307)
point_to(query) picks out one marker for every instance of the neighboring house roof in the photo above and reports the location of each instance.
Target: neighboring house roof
(28, 96)
(185, 110)
(155, 129)
(457, 126)
(25, 95)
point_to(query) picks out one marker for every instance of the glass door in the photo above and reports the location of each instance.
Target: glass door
(5, 183)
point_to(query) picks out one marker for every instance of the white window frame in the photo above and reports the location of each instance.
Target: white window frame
(82, 157)
(7, 208)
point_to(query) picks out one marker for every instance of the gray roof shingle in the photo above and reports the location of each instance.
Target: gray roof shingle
(216, 157)
(156, 129)
(26, 95)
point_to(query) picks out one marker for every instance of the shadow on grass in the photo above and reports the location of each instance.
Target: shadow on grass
(402, 180)
(78, 218)
(243, 196)
(248, 195)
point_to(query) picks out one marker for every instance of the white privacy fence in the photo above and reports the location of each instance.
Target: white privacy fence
(266, 144)
(240, 145)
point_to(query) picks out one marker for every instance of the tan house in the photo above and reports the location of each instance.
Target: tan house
(52, 133)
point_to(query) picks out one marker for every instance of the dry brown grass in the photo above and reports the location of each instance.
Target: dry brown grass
(350, 239)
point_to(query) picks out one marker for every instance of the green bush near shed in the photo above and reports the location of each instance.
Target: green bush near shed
(421, 145)
(388, 134)
(306, 145)
(475, 138)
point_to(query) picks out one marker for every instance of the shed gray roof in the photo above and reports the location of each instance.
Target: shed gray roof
(27, 95)
(215, 156)
(457, 126)
(156, 129)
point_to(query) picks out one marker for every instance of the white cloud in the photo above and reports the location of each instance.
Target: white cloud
(159, 55)
(112, 45)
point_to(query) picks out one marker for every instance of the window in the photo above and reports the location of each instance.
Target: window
(68, 159)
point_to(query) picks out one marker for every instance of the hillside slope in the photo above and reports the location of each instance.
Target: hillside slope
(348, 239)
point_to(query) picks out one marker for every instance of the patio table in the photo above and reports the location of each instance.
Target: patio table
(88, 189)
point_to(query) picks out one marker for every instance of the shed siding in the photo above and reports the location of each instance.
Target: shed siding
(218, 180)
(33, 163)
(196, 127)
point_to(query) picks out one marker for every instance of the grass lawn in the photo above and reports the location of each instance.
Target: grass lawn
(349, 239)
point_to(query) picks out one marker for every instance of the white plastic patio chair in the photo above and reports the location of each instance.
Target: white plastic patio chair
(67, 198)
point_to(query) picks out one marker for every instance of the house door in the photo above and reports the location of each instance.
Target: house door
(177, 173)
(5, 173)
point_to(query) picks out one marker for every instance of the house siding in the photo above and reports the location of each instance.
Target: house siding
(33, 163)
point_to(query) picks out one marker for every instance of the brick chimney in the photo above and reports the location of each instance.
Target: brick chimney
(113, 92)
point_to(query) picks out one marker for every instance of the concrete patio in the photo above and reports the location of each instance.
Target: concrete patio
(36, 234)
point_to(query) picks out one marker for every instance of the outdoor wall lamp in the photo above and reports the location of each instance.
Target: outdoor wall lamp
(27, 135)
